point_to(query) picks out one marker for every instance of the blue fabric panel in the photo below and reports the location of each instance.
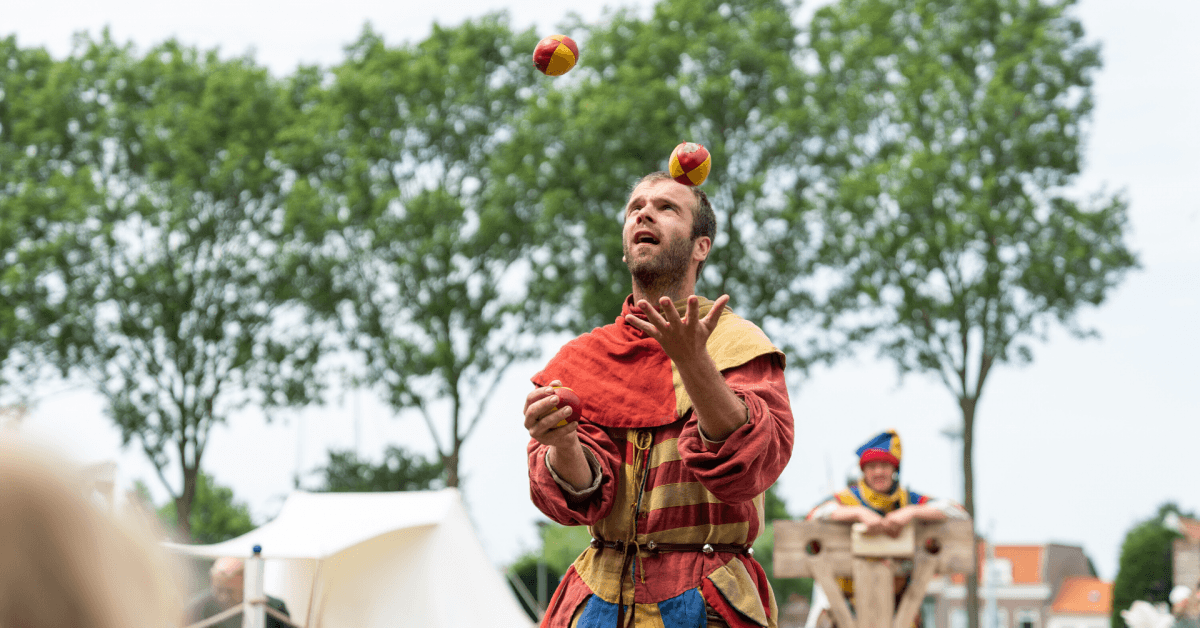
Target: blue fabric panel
(685, 610)
(598, 614)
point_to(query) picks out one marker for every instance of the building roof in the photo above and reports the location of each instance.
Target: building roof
(1190, 528)
(1081, 595)
(1026, 562)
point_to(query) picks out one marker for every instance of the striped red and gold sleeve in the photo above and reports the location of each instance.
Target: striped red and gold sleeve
(751, 459)
(550, 498)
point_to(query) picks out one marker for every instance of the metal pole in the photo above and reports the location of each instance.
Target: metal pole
(541, 568)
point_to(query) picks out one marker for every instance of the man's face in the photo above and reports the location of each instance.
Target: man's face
(657, 236)
(227, 589)
(878, 475)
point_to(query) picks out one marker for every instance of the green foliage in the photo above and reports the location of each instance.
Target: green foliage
(563, 544)
(715, 72)
(181, 312)
(45, 188)
(947, 217)
(215, 515)
(1145, 569)
(399, 471)
(425, 253)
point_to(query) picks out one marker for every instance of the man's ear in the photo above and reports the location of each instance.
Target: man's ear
(700, 248)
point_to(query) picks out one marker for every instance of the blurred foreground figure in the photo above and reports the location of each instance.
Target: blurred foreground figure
(65, 562)
(1185, 606)
(1142, 614)
(228, 576)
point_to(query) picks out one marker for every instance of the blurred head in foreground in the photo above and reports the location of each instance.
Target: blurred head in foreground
(228, 581)
(66, 562)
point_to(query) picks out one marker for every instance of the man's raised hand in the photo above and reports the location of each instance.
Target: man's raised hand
(684, 338)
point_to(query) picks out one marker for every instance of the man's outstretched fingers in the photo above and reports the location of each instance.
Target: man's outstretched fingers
(693, 309)
(670, 314)
(717, 308)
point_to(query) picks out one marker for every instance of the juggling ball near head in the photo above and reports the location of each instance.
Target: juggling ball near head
(555, 55)
(690, 163)
(567, 399)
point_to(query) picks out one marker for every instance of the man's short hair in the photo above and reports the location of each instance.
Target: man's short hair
(228, 566)
(704, 219)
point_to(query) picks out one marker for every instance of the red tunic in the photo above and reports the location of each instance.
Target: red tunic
(639, 426)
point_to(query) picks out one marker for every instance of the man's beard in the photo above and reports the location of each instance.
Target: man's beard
(659, 274)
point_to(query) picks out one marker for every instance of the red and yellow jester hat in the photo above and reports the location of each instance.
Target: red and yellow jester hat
(885, 446)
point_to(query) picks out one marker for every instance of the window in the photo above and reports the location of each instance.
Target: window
(1001, 618)
(1026, 618)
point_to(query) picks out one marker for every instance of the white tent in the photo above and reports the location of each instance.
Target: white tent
(366, 560)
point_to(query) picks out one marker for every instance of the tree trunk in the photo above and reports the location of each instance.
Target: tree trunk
(968, 413)
(183, 503)
(451, 463)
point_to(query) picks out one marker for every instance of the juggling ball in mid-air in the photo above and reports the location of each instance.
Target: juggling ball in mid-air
(555, 55)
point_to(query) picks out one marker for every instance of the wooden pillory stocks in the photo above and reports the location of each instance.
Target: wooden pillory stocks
(825, 551)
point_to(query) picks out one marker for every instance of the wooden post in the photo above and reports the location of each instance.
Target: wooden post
(826, 551)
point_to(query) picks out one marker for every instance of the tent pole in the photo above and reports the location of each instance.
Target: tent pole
(253, 600)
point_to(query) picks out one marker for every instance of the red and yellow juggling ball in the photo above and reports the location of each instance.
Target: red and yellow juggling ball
(555, 55)
(567, 398)
(690, 163)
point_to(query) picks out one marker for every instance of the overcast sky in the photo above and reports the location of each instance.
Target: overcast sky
(1075, 448)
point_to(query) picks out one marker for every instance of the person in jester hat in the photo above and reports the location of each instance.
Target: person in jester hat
(879, 502)
(685, 423)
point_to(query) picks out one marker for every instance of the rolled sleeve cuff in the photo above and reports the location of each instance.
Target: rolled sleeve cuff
(949, 508)
(714, 446)
(576, 496)
(824, 511)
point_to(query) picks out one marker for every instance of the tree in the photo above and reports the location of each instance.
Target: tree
(181, 314)
(945, 219)
(715, 72)
(399, 471)
(215, 515)
(395, 186)
(1145, 570)
(45, 189)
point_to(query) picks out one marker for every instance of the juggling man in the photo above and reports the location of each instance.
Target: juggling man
(684, 424)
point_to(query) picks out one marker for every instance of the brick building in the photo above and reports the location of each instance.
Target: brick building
(1035, 586)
